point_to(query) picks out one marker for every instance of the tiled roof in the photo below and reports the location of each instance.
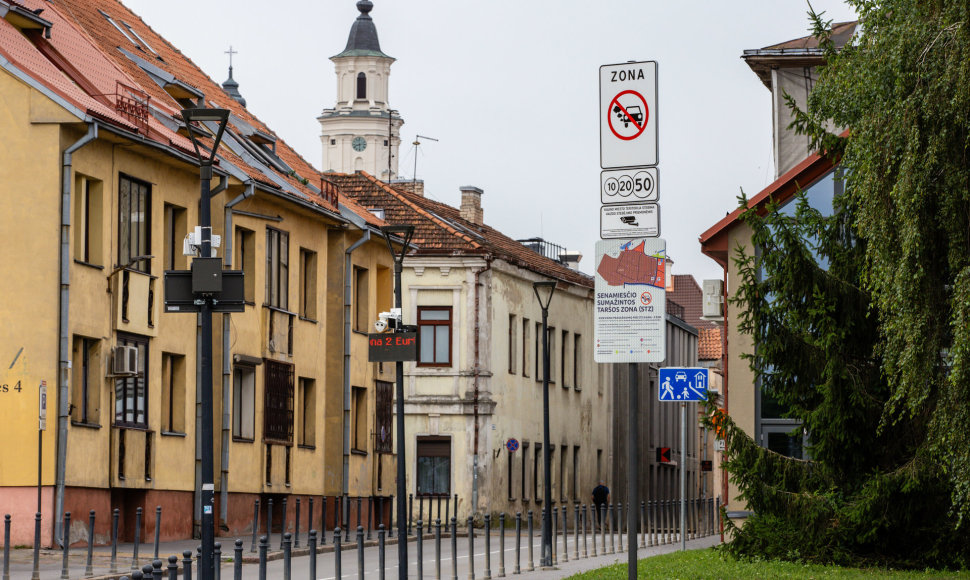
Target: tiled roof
(709, 344)
(841, 33)
(688, 294)
(87, 57)
(440, 229)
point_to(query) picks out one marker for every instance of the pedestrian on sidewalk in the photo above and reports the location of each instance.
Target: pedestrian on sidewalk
(601, 499)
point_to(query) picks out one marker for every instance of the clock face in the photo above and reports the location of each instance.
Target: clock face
(359, 143)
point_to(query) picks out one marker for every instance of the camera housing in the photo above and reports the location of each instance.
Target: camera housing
(387, 320)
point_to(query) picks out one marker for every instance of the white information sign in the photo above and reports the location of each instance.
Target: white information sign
(630, 309)
(628, 115)
(638, 184)
(42, 406)
(640, 220)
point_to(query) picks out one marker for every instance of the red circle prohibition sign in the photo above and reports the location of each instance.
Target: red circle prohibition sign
(619, 113)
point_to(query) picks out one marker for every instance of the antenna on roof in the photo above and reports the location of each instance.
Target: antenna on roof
(414, 178)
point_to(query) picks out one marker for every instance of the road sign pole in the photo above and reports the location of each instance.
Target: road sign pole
(633, 471)
(683, 475)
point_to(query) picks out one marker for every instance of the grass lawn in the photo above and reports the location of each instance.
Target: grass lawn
(711, 564)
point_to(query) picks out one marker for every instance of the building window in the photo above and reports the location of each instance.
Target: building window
(361, 86)
(434, 328)
(512, 345)
(359, 425)
(131, 392)
(134, 223)
(308, 284)
(277, 268)
(538, 352)
(562, 472)
(599, 465)
(384, 442)
(278, 406)
(243, 402)
(525, 347)
(245, 260)
(360, 292)
(173, 393)
(87, 221)
(575, 473)
(563, 357)
(434, 466)
(551, 330)
(525, 462)
(86, 381)
(175, 230)
(308, 406)
(577, 361)
(552, 472)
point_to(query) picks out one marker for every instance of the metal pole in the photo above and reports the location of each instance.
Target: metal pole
(518, 543)
(683, 475)
(633, 470)
(89, 564)
(238, 556)
(6, 547)
(546, 456)
(158, 529)
(205, 428)
(501, 545)
(115, 514)
(36, 573)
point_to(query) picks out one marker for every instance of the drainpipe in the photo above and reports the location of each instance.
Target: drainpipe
(477, 373)
(64, 346)
(348, 272)
(227, 239)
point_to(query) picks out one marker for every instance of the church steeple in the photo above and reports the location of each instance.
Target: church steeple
(231, 86)
(362, 132)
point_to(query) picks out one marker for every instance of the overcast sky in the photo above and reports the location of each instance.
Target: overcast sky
(510, 90)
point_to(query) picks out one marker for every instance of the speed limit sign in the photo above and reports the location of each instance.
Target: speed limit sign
(635, 185)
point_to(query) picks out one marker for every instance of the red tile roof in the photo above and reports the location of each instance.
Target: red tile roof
(83, 63)
(709, 344)
(440, 229)
(688, 294)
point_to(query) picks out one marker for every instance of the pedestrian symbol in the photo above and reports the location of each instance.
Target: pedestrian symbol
(683, 384)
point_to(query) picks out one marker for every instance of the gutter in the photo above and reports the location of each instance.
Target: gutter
(348, 270)
(227, 235)
(477, 373)
(64, 346)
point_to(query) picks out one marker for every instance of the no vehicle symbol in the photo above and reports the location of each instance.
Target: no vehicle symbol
(512, 445)
(628, 114)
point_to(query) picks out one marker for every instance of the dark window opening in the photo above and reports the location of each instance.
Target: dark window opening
(278, 407)
(134, 221)
(361, 86)
(434, 466)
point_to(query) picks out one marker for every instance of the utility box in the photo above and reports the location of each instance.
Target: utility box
(206, 275)
(713, 307)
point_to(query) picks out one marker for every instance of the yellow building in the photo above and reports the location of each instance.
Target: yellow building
(99, 187)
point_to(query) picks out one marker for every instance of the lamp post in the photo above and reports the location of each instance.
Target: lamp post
(404, 233)
(221, 117)
(544, 290)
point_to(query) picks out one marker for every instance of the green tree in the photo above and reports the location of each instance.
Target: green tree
(862, 319)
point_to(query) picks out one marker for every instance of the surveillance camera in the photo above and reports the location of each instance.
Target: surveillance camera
(390, 319)
(381, 325)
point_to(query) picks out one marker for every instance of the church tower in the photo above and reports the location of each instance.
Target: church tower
(362, 132)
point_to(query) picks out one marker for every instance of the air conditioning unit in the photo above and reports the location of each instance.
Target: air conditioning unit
(124, 360)
(713, 291)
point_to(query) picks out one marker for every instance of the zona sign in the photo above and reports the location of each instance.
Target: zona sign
(628, 115)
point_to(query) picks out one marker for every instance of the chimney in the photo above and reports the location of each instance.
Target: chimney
(471, 204)
(571, 259)
(415, 186)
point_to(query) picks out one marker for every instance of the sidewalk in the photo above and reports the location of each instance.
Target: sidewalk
(566, 569)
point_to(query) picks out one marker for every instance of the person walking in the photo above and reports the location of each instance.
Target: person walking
(601, 499)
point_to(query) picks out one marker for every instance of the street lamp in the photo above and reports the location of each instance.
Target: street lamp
(404, 233)
(544, 290)
(221, 117)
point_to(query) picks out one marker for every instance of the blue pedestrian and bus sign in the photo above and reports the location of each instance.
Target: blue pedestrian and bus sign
(683, 384)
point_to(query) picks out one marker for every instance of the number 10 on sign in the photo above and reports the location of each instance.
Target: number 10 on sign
(634, 185)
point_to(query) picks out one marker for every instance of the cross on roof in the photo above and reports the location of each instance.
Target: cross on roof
(231, 52)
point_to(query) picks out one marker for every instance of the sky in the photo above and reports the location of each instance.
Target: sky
(510, 90)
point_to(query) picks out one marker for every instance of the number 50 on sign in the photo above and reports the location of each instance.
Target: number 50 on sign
(629, 185)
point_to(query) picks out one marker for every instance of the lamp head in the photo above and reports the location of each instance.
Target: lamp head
(544, 290)
(204, 115)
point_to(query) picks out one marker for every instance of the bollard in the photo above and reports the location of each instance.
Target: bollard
(518, 544)
(553, 538)
(345, 514)
(439, 508)
(323, 522)
(576, 531)
(115, 515)
(370, 515)
(237, 557)
(360, 548)
(532, 563)
(283, 523)
(601, 515)
(454, 548)
(6, 547)
(410, 511)
(287, 554)
(216, 560)
(358, 511)
(609, 527)
(420, 513)
(173, 568)
(296, 539)
(263, 547)
(187, 566)
(447, 510)
(134, 555)
(89, 565)
(146, 571)
(583, 513)
(312, 543)
(471, 549)
(643, 529)
(437, 548)
(66, 541)
(501, 545)
(336, 553)
(565, 537)
(618, 514)
(252, 548)
(158, 530)
(419, 545)
(269, 519)
(488, 547)
(157, 569)
(390, 516)
(380, 551)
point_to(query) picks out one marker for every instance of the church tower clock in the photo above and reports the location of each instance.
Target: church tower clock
(362, 132)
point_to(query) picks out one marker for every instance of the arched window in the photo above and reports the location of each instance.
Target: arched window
(361, 86)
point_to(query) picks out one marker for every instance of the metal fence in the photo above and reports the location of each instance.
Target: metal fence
(579, 531)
